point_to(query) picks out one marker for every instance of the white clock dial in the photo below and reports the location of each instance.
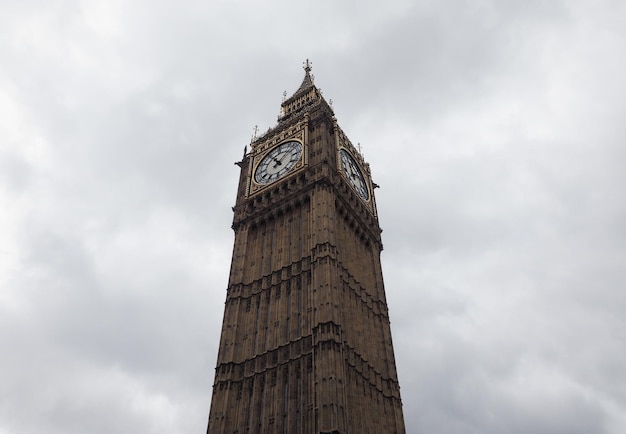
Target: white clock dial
(354, 175)
(278, 162)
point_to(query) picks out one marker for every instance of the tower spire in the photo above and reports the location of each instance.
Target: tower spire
(308, 79)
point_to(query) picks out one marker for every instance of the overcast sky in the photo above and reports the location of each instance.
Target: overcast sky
(496, 130)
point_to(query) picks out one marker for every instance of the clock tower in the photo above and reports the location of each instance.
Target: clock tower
(306, 341)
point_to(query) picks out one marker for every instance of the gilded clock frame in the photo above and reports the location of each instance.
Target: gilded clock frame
(263, 147)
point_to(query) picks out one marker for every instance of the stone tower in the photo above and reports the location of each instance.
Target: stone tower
(306, 342)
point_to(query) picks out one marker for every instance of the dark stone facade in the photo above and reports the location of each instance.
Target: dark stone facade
(306, 343)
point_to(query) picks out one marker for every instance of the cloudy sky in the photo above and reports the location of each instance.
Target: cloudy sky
(496, 130)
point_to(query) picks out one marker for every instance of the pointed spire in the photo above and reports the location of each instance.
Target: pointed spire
(308, 80)
(305, 96)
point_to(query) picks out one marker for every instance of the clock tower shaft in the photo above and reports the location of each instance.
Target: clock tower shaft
(306, 341)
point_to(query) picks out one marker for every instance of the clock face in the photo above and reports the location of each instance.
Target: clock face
(278, 162)
(354, 175)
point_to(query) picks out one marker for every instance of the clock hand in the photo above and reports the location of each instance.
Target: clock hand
(277, 161)
(356, 179)
(280, 162)
(284, 155)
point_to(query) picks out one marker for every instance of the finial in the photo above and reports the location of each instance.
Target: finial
(307, 66)
(254, 133)
(330, 103)
(284, 95)
(358, 145)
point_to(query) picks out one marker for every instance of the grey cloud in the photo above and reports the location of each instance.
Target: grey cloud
(494, 130)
